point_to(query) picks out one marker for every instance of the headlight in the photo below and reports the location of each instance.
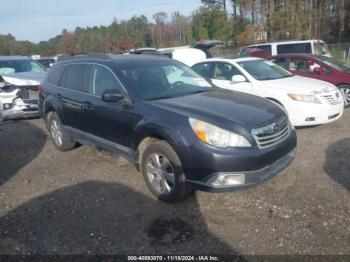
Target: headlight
(216, 136)
(304, 98)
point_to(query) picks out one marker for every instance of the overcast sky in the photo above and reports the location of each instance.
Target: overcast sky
(37, 20)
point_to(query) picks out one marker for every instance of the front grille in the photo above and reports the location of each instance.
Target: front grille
(333, 98)
(272, 134)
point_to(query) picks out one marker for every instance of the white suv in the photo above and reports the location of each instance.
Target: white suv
(307, 101)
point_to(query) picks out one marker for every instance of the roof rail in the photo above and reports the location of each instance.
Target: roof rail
(65, 57)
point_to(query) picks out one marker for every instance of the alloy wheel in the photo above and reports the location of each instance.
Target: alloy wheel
(346, 93)
(56, 132)
(160, 173)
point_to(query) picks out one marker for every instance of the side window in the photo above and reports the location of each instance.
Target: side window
(224, 71)
(294, 48)
(101, 79)
(204, 69)
(266, 48)
(56, 75)
(303, 65)
(74, 77)
(244, 53)
(281, 62)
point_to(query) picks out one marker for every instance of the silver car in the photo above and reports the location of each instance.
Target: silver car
(20, 77)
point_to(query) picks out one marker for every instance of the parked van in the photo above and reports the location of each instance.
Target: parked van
(316, 47)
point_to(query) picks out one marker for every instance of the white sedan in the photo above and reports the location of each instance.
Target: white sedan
(307, 101)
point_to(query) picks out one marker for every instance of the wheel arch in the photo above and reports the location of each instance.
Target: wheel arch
(51, 105)
(342, 84)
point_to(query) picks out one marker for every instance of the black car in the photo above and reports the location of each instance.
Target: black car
(175, 127)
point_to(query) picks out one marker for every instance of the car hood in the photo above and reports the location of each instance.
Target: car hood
(300, 85)
(25, 78)
(222, 106)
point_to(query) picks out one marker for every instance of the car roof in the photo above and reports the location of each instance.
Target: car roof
(3, 58)
(115, 58)
(289, 42)
(137, 59)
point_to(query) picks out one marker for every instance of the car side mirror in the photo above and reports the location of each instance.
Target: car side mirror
(317, 71)
(112, 95)
(238, 78)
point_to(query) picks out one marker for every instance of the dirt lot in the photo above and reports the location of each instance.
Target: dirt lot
(87, 202)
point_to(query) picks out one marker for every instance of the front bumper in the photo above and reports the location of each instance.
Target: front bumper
(23, 110)
(251, 178)
(307, 114)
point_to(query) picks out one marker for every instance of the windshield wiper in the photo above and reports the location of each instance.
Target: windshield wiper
(159, 97)
(198, 91)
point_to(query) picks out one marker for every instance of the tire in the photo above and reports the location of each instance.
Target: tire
(61, 140)
(158, 161)
(345, 89)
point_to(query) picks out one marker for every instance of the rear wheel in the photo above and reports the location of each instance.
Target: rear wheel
(162, 171)
(345, 89)
(61, 140)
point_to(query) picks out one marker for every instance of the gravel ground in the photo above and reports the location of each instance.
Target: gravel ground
(87, 202)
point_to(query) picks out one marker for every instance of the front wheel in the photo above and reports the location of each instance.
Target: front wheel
(162, 171)
(345, 89)
(60, 138)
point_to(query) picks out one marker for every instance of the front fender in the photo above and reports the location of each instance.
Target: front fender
(179, 138)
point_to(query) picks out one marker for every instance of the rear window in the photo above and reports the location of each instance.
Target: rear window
(294, 48)
(74, 77)
(320, 48)
(55, 75)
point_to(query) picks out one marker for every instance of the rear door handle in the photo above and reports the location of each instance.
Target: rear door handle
(87, 106)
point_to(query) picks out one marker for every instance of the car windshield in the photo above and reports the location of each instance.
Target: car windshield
(164, 79)
(335, 63)
(264, 70)
(19, 66)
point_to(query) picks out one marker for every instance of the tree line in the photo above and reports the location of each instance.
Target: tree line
(238, 22)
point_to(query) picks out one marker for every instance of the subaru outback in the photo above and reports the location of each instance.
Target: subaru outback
(179, 131)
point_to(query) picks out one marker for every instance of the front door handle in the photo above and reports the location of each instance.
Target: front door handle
(88, 106)
(59, 96)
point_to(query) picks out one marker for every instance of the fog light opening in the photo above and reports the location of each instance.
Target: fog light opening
(310, 119)
(7, 106)
(229, 180)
